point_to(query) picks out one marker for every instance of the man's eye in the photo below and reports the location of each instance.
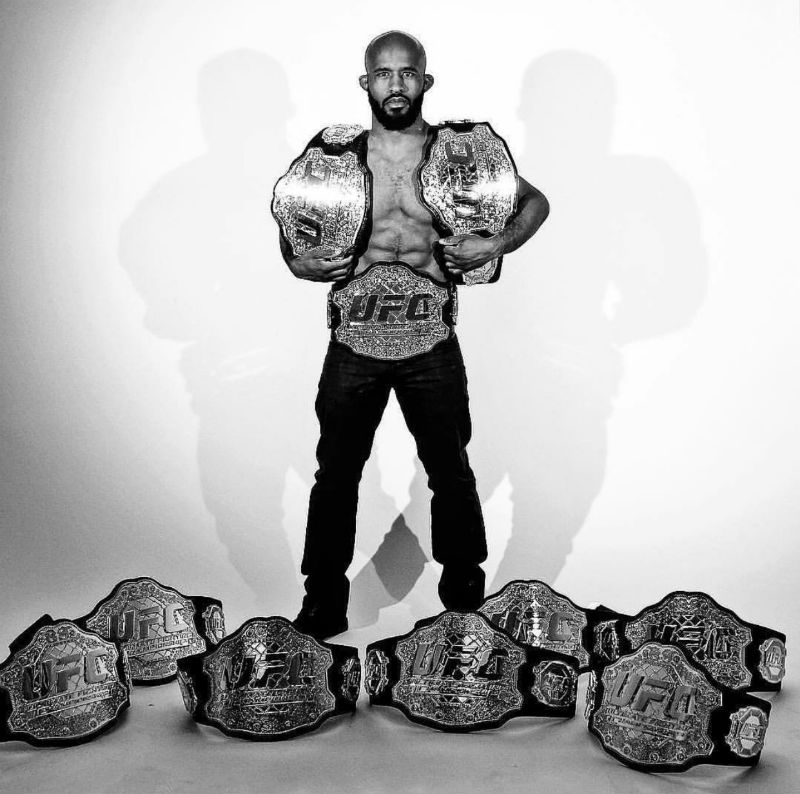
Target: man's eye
(409, 74)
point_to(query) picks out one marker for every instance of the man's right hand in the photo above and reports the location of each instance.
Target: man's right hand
(321, 265)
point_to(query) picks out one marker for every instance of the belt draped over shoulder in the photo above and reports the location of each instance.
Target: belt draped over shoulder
(467, 179)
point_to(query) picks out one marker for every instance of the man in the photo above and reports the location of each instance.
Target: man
(430, 387)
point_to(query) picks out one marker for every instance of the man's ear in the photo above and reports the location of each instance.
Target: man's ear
(363, 81)
(427, 82)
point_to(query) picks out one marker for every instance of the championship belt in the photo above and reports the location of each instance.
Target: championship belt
(391, 312)
(658, 711)
(738, 654)
(468, 180)
(324, 199)
(458, 672)
(156, 625)
(269, 681)
(61, 685)
(534, 614)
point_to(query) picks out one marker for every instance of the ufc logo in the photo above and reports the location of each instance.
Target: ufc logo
(310, 218)
(413, 307)
(136, 623)
(464, 158)
(53, 676)
(640, 692)
(463, 172)
(267, 671)
(707, 643)
(458, 661)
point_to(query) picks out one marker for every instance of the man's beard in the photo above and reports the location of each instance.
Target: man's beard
(400, 122)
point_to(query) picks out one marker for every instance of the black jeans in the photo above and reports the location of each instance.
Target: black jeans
(431, 390)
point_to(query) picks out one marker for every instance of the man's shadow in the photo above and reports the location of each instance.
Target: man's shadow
(620, 260)
(400, 560)
(201, 248)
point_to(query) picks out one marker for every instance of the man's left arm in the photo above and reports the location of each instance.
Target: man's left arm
(463, 252)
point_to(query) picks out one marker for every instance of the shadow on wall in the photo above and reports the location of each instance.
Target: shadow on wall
(620, 259)
(389, 576)
(400, 570)
(201, 249)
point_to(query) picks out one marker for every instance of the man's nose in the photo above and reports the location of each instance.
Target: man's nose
(396, 83)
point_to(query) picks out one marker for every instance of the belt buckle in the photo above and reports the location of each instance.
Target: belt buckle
(459, 672)
(655, 709)
(322, 200)
(156, 625)
(65, 684)
(391, 312)
(269, 681)
(469, 182)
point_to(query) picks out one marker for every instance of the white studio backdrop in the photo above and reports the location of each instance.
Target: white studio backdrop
(634, 374)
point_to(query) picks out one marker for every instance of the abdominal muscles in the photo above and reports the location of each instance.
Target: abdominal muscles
(405, 240)
(402, 228)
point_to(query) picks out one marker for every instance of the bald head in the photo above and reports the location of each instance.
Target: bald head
(394, 39)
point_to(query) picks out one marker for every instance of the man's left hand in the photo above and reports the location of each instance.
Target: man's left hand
(464, 252)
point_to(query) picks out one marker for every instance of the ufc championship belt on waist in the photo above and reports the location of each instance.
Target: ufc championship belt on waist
(156, 625)
(534, 614)
(391, 312)
(656, 710)
(61, 685)
(324, 199)
(468, 180)
(459, 672)
(738, 654)
(269, 681)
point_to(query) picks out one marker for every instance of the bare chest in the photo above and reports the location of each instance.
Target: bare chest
(394, 191)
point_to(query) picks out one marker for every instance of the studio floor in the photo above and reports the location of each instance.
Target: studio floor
(157, 748)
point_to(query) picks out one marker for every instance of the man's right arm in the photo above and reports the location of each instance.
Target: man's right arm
(318, 265)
